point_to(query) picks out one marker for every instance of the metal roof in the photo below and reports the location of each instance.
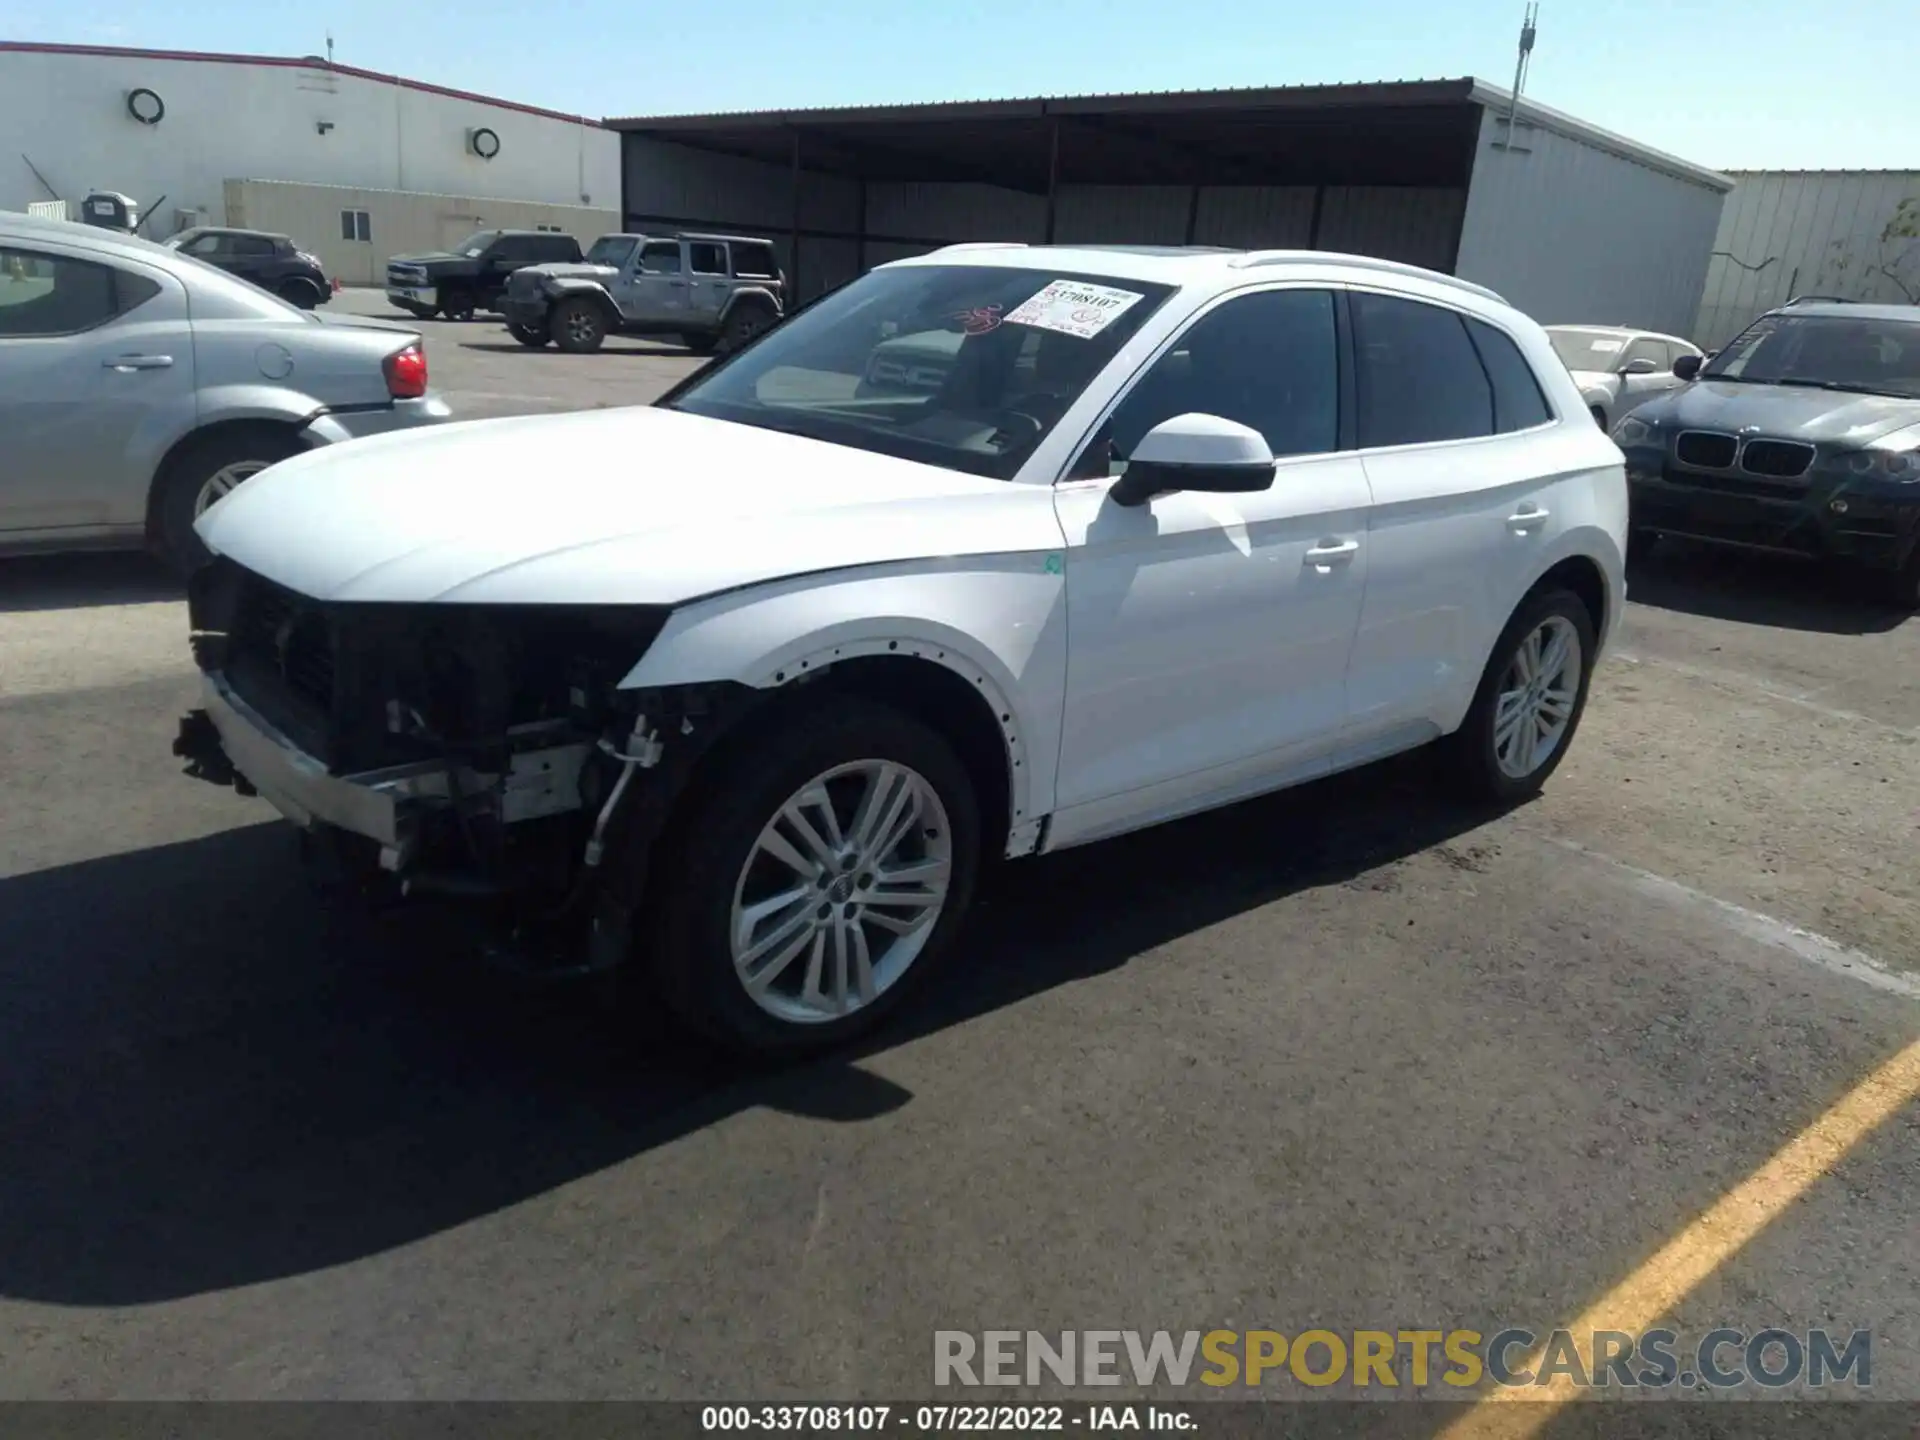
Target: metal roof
(1390, 132)
(304, 62)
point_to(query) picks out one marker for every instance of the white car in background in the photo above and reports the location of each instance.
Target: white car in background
(1619, 370)
(738, 691)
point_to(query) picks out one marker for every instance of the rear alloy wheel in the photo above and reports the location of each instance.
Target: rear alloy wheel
(745, 324)
(819, 883)
(456, 304)
(199, 477)
(578, 327)
(1530, 701)
(532, 336)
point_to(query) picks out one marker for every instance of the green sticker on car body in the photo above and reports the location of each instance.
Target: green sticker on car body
(1054, 566)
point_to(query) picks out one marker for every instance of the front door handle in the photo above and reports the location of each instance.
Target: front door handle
(138, 362)
(1531, 518)
(1332, 552)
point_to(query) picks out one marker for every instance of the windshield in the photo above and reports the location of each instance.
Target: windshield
(611, 250)
(963, 366)
(1832, 352)
(1587, 349)
(476, 243)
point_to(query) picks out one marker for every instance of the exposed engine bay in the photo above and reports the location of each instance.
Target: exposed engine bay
(484, 752)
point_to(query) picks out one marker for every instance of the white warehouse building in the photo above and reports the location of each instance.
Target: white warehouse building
(355, 165)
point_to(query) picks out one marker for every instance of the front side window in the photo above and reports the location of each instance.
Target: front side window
(968, 367)
(661, 258)
(477, 244)
(1421, 380)
(206, 246)
(1826, 352)
(611, 250)
(1647, 350)
(1269, 361)
(43, 295)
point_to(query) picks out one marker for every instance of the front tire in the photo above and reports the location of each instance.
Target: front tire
(1901, 588)
(578, 327)
(532, 336)
(818, 881)
(299, 292)
(456, 304)
(200, 474)
(1530, 701)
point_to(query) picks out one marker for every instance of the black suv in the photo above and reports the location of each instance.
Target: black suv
(273, 262)
(473, 275)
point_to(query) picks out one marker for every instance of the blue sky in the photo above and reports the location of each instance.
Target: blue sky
(1738, 84)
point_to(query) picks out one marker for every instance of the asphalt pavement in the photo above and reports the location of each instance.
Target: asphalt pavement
(1349, 1057)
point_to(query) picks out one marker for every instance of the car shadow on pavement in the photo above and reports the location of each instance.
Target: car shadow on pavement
(620, 346)
(83, 581)
(209, 1078)
(1719, 583)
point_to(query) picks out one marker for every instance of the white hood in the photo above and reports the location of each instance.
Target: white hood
(628, 506)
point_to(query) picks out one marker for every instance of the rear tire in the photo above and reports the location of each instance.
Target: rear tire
(419, 312)
(533, 337)
(577, 326)
(202, 472)
(456, 304)
(719, 868)
(1528, 707)
(744, 325)
(700, 344)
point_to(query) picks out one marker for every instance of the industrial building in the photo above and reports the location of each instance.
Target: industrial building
(1853, 234)
(1569, 222)
(355, 165)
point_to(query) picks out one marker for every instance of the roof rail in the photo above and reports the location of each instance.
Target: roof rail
(1819, 300)
(983, 245)
(1368, 262)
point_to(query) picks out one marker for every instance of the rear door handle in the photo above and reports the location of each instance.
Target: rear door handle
(1529, 519)
(138, 362)
(1332, 552)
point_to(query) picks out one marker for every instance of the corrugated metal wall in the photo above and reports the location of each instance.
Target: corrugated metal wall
(1809, 232)
(1574, 234)
(668, 184)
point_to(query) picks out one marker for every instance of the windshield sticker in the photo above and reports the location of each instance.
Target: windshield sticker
(980, 319)
(1074, 308)
(1604, 347)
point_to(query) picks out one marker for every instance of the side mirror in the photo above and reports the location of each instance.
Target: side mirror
(1687, 366)
(1642, 366)
(1195, 452)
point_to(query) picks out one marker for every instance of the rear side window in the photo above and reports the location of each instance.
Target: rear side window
(44, 295)
(1421, 380)
(1518, 403)
(706, 258)
(754, 262)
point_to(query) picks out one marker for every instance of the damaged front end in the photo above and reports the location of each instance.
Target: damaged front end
(482, 752)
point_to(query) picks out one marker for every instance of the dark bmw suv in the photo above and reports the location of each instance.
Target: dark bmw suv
(273, 262)
(1802, 435)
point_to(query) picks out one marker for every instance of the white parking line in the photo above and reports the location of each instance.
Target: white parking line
(1805, 944)
(1733, 680)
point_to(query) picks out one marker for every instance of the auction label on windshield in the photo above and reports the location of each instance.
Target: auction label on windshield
(1074, 307)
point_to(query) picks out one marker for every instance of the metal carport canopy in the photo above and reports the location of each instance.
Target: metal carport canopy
(1419, 132)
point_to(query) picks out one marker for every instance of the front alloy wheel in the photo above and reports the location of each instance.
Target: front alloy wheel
(841, 891)
(816, 883)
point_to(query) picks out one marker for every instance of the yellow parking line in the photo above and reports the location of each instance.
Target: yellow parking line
(1657, 1287)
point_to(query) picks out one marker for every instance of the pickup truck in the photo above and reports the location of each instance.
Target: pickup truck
(714, 292)
(472, 276)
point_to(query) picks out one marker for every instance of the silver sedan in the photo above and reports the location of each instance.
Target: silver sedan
(138, 386)
(1617, 369)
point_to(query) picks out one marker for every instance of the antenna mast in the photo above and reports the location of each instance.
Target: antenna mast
(1527, 31)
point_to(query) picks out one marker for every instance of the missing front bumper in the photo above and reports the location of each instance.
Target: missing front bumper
(229, 742)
